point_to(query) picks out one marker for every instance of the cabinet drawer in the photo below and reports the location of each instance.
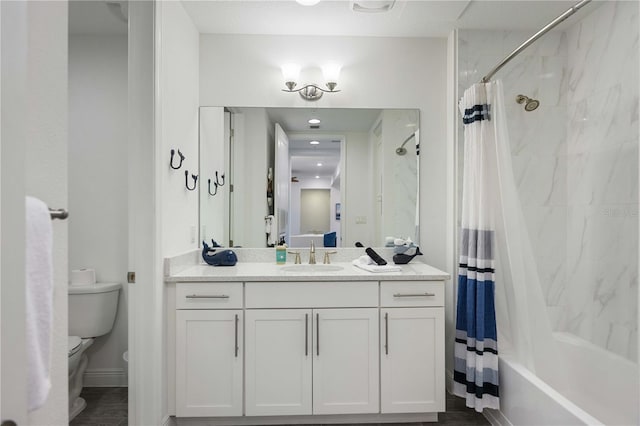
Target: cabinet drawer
(411, 293)
(209, 296)
(328, 294)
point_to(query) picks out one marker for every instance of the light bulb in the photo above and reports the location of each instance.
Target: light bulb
(291, 74)
(331, 73)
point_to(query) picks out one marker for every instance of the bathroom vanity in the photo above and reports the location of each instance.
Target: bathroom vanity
(259, 343)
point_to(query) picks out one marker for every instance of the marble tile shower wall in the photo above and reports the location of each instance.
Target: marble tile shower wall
(538, 138)
(575, 162)
(602, 178)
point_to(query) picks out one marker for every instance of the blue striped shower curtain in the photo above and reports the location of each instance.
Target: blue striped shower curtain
(476, 350)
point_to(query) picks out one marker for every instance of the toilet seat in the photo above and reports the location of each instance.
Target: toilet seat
(74, 344)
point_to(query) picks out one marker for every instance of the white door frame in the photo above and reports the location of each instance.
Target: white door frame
(146, 322)
(13, 73)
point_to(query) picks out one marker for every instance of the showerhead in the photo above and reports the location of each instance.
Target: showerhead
(402, 150)
(529, 104)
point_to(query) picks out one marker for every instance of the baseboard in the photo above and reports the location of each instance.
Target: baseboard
(496, 418)
(105, 378)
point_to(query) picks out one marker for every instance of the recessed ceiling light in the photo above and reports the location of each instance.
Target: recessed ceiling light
(314, 121)
(314, 142)
(308, 2)
(319, 164)
(317, 177)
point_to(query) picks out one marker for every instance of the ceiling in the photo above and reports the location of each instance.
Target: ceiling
(408, 18)
(333, 124)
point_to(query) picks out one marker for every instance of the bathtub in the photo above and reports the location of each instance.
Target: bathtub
(597, 388)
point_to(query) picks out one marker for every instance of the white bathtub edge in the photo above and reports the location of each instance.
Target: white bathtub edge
(496, 417)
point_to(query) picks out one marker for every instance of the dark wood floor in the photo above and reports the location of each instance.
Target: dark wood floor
(108, 407)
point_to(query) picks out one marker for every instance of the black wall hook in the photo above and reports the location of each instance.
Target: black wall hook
(182, 157)
(215, 184)
(186, 180)
(217, 181)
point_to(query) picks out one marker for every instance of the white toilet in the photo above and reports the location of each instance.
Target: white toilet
(92, 312)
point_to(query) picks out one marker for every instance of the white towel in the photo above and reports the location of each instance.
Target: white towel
(366, 263)
(39, 300)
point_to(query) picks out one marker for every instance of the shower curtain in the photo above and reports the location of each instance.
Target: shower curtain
(499, 292)
(476, 350)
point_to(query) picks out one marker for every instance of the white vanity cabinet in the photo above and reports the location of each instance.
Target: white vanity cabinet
(349, 349)
(209, 355)
(318, 360)
(278, 362)
(411, 348)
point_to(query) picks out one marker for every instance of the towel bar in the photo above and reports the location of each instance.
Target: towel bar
(58, 213)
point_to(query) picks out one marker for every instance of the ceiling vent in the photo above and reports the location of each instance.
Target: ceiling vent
(371, 6)
(314, 126)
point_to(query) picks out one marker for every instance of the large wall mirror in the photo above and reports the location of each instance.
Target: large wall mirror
(331, 176)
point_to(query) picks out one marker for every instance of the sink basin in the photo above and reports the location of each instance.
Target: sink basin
(312, 268)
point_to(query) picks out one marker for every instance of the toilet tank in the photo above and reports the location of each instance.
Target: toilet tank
(92, 309)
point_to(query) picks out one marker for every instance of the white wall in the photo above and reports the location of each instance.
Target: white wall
(46, 175)
(178, 103)
(98, 174)
(214, 157)
(252, 143)
(378, 72)
(358, 198)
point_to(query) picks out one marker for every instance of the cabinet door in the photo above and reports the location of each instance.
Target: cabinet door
(208, 363)
(345, 361)
(412, 360)
(278, 362)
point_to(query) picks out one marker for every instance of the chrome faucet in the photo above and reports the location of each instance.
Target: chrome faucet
(312, 254)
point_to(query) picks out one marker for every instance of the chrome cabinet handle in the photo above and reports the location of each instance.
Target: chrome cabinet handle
(318, 334)
(306, 334)
(205, 296)
(414, 295)
(237, 348)
(386, 333)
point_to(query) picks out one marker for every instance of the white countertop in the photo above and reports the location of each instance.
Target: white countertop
(259, 271)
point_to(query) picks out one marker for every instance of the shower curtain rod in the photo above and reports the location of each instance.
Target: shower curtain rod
(533, 38)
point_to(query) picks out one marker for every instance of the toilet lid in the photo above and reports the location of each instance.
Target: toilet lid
(74, 344)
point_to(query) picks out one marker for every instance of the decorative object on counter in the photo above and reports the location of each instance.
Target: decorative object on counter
(368, 264)
(186, 180)
(218, 258)
(281, 254)
(404, 258)
(375, 256)
(182, 157)
(401, 245)
(359, 244)
(214, 243)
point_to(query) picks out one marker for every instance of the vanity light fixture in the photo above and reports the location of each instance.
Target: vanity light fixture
(311, 92)
(314, 143)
